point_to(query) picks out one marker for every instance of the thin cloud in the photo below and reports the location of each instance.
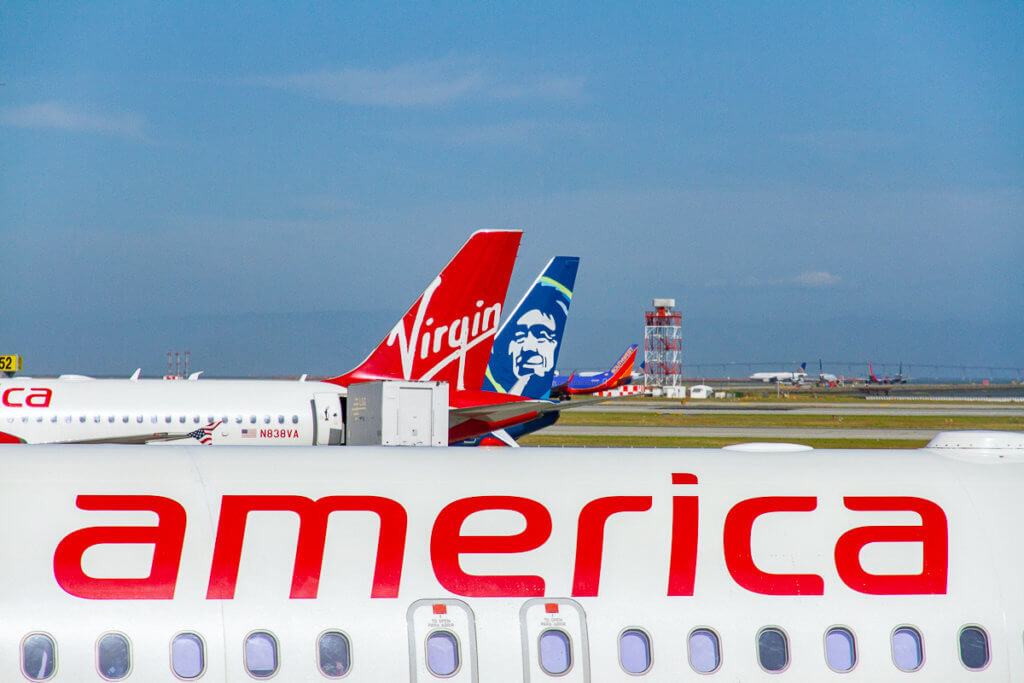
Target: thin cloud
(423, 84)
(59, 116)
(810, 279)
(816, 278)
(545, 88)
(519, 132)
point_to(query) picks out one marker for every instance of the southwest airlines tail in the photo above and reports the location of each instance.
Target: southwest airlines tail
(620, 374)
(526, 347)
(447, 334)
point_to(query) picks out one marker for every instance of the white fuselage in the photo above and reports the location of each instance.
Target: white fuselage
(495, 564)
(777, 376)
(253, 412)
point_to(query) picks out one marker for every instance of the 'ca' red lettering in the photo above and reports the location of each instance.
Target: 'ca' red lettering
(39, 398)
(9, 401)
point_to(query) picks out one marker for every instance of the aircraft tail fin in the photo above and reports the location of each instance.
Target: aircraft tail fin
(623, 367)
(525, 351)
(447, 334)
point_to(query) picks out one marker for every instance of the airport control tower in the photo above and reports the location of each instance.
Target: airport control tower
(663, 345)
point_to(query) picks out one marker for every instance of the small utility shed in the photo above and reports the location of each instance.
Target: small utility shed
(701, 391)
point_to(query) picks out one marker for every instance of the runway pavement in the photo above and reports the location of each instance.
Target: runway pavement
(788, 433)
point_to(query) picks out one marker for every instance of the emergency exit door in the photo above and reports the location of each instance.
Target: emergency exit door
(555, 647)
(442, 641)
(327, 419)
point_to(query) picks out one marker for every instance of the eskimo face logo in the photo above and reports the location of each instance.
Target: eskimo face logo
(525, 352)
(427, 339)
(532, 348)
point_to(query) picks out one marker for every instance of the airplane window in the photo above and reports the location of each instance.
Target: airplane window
(261, 654)
(167, 419)
(840, 649)
(252, 419)
(295, 419)
(38, 657)
(635, 651)
(139, 418)
(67, 419)
(154, 419)
(973, 648)
(187, 658)
(772, 650)
(195, 419)
(209, 419)
(182, 419)
(704, 650)
(280, 419)
(81, 418)
(96, 418)
(334, 654)
(113, 658)
(555, 652)
(266, 419)
(111, 419)
(125, 418)
(39, 418)
(238, 419)
(907, 649)
(442, 653)
(24, 418)
(53, 418)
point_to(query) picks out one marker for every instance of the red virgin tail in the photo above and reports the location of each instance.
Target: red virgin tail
(448, 332)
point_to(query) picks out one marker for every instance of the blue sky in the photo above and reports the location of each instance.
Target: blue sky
(271, 185)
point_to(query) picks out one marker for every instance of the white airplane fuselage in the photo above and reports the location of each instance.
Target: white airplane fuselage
(777, 376)
(491, 566)
(252, 412)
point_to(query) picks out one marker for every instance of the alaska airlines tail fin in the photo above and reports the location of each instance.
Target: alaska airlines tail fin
(447, 334)
(526, 347)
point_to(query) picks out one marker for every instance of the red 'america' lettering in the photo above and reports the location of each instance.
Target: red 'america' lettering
(447, 544)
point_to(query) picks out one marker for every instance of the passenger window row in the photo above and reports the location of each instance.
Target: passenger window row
(188, 655)
(334, 652)
(840, 649)
(154, 419)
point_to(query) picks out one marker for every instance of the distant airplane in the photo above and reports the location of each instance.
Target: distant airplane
(592, 382)
(898, 379)
(525, 351)
(601, 565)
(794, 377)
(825, 378)
(445, 336)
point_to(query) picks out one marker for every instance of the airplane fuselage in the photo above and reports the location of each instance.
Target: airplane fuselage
(252, 412)
(490, 565)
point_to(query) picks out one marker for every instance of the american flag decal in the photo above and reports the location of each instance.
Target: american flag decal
(205, 434)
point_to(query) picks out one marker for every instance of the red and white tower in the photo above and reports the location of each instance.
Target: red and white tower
(663, 345)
